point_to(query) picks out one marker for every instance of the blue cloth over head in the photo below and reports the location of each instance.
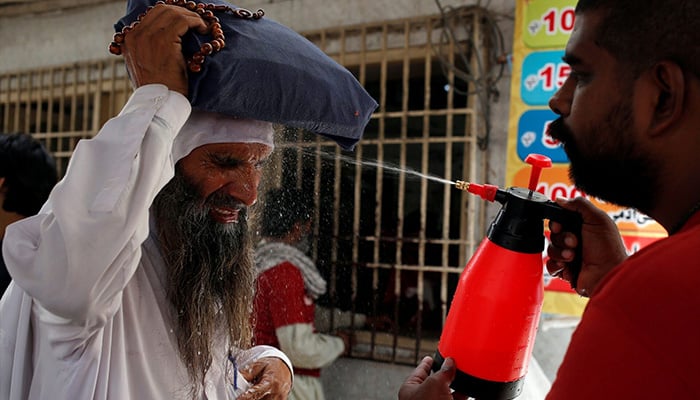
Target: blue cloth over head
(268, 72)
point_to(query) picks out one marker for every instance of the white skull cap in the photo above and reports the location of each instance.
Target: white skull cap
(204, 127)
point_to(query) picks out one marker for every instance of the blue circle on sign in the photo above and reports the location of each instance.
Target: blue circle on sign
(543, 73)
(532, 136)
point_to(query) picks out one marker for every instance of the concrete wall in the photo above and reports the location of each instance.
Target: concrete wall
(79, 34)
(57, 38)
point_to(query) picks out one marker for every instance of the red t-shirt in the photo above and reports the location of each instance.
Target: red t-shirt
(280, 300)
(639, 337)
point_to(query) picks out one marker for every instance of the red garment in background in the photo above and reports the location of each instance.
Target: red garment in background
(281, 300)
(639, 337)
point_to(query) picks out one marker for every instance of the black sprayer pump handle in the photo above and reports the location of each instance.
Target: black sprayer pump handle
(571, 222)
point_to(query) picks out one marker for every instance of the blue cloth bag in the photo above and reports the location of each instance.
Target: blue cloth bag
(268, 72)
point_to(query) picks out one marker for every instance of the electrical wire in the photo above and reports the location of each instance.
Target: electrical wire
(479, 76)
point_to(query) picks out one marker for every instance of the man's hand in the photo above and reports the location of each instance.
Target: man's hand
(420, 385)
(349, 340)
(270, 379)
(153, 49)
(602, 246)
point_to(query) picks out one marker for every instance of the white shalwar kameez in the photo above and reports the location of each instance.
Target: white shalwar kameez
(86, 316)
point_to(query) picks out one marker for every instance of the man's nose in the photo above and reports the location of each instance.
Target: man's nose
(244, 187)
(560, 102)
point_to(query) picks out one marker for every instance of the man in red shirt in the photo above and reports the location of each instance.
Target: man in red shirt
(287, 286)
(630, 125)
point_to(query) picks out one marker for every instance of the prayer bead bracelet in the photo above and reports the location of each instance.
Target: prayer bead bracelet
(206, 11)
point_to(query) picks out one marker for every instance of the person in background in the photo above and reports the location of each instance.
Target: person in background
(629, 121)
(135, 280)
(27, 175)
(287, 285)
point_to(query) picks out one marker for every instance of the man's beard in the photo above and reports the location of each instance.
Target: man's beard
(609, 165)
(211, 274)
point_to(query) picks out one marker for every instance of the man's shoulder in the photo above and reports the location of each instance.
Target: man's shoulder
(674, 253)
(665, 270)
(285, 269)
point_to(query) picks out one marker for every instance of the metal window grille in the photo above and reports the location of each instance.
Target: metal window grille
(61, 105)
(390, 242)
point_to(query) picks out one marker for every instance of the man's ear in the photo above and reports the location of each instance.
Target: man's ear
(300, 229)
(669, 80)
(297, 231)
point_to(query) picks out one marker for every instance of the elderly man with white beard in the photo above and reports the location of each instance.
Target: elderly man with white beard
(135, 280)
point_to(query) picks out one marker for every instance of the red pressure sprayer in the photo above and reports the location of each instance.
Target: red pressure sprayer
(490, 328)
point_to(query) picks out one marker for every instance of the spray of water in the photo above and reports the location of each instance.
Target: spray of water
(373, 163)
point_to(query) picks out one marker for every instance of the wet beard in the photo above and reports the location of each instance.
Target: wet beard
(610, 165)
(211, 275)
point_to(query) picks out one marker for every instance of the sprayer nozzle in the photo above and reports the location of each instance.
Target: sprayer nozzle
(486, 192)
(462, 185)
